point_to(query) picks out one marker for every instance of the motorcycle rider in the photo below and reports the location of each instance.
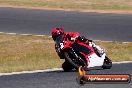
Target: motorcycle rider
(59, 31)
(73, 36)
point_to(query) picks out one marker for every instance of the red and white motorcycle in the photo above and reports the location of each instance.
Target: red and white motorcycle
(80, 54)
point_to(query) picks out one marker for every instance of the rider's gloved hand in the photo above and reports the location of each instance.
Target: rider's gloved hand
(73, 39)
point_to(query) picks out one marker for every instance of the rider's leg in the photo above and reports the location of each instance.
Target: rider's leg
(97, 49)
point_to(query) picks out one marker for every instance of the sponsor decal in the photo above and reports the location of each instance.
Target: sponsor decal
(84, 78)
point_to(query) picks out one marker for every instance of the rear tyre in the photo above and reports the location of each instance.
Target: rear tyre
(67, 67)
(107, 63)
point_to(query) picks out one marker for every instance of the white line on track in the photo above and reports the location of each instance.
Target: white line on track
(27, 72)
(49, 70)
(44, 35)
(11, 33)
(122, 62)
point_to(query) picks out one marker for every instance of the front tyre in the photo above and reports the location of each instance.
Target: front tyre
(70, 59)
(67, 67)
(74, 60)
(107, 63)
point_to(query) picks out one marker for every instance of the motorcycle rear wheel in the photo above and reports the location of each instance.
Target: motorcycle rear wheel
(107, 63)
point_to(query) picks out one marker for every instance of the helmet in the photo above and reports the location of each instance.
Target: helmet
(56, 32)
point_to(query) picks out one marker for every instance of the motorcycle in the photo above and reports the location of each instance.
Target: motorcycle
(78, 53)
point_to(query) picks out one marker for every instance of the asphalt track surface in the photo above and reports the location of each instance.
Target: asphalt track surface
(60, 79)
(98, 26)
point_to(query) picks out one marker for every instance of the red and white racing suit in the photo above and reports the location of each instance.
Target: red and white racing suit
(72, 35)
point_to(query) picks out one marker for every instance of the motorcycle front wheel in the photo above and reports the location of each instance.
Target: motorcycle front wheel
(70, 59)
(74, 60)
(67, 67)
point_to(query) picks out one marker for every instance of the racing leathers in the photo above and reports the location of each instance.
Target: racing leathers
(73, 36)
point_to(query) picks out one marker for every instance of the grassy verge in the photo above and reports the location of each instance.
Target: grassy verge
(73, 4)
(117, 51)
(18, 53)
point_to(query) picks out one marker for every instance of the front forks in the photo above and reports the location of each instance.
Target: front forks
(79, 60)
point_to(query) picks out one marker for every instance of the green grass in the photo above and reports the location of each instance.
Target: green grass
(20, 53)
(73, 4)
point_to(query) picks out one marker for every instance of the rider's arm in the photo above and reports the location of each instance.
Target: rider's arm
(73, 35)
